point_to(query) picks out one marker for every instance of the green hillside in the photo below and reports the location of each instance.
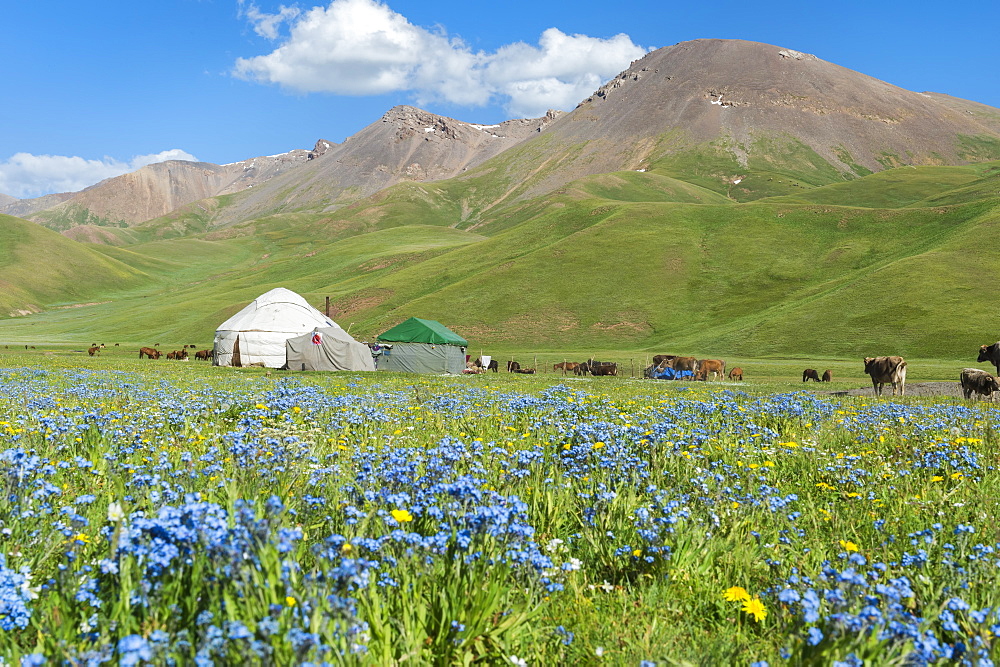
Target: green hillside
(40, 268)
(895, 262)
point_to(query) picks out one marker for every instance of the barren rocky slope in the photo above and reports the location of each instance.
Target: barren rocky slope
(759, 101)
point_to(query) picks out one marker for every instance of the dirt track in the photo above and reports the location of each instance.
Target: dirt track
(912, 389)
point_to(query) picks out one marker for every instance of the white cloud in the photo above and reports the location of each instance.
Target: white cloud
(25, 175)
(267, 25)
(362, 47)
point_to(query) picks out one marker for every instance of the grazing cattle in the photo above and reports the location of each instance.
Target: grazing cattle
(513, 366)
(975, 381)
(886, 370)
(660, 358)
(116, 344)
(716, 367)
(990, 353)
(149, 352)
(736, 374)
(827, 376)
(565, 366)
(684, 364)
(810, 374)
(492, 366)
(203, 355)
(93, 350)
(156, 345)
(172, 355)
(581, 369)
(602, 368)
(525, 371)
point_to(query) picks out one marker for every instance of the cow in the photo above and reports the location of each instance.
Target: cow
(827, 376)
(975, 381)
(990, 353)
(886, 370)
(525, 371)
(173, 355)
(492, 366)
(581, 369)
(93, 350)
(660, 358)
(684, 364)
(602, 368)
(736, 374)
(149, 352)
(715, 366)
(810, 374)
(512, 366)
(565, 366)
(203, 355)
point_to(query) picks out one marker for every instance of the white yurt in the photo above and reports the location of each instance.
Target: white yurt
(257, 334)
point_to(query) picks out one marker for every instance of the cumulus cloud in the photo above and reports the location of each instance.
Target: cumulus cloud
(362, 47)
(25, 175)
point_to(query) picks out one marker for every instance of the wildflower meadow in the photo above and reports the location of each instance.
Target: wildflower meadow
(216, 517)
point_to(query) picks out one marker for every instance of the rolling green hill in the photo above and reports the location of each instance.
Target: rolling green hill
(900, 261)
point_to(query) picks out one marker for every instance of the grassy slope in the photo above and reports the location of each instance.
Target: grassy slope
(627, 260)
(39, 266)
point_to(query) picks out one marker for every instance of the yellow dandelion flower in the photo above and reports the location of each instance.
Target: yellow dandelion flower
(937, 478)
(402, 516)
(755, 608)
(848, 546)
(736, 593)
(289, 601)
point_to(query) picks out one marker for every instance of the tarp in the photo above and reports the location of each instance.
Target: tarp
(423, 358)
(416, 330)
(670, 374)
(257, 334)
(327, 349)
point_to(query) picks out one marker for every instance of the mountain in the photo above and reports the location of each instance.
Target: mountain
(742, 117)
(406, 144)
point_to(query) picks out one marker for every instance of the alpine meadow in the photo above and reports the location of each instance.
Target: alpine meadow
(724, 199)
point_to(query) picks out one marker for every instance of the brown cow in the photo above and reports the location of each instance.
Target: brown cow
(660, 358)
(203, 355)
(736, 374)
(93, 350)
(886, 370)
(602, 368)
(683, 364)
(513, 366)
(990, 353)
(565, 366)
(810, 374)
(979, 382)
(173, 355)
(716, 367)
(827, 376)
(149, 352)
(525, 371)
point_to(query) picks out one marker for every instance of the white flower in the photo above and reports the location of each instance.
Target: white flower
(517, 662)
(599, 651)
(115, 512)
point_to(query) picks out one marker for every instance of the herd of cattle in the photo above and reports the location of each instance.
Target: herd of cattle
(180, 355)
(882, 370)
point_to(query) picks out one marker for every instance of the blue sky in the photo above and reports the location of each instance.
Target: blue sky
(97, 89)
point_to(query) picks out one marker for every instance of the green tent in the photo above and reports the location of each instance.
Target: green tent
(422, 346)
(416, 330)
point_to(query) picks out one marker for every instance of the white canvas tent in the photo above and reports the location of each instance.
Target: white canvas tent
(328, 349)
(257, 334)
